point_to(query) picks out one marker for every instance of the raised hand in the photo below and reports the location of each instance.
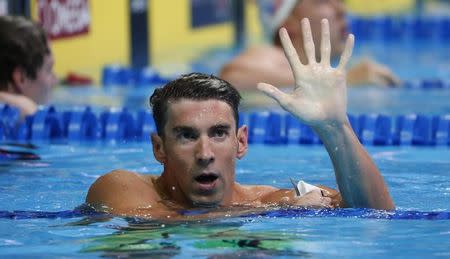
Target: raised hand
(319, 97)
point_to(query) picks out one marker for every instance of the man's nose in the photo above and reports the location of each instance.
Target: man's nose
(204, 152)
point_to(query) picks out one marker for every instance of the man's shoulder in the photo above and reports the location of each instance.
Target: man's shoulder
(122, 189)
(121, 176)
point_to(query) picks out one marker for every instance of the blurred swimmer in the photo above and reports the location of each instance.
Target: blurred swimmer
(26, 64)
(268, 63)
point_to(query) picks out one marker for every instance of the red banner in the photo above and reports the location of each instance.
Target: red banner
(64, 18)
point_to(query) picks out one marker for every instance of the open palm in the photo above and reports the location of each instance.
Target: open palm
(320, 93)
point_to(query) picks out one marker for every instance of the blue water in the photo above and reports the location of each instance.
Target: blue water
(417, 178)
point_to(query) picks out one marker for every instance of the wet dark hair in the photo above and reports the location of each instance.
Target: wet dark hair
(193, 86)
(23, 43)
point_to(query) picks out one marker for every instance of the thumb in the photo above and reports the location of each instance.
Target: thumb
(273, 93)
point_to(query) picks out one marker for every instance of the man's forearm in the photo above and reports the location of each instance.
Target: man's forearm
(358, 178)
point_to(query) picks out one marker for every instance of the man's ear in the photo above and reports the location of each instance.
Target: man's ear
(18, 78)
(242, 136)
(158, 148)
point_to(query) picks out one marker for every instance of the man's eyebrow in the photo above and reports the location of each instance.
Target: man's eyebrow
(178, 129)
(223, 126)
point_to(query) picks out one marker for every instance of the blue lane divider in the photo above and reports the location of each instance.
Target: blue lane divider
(308, 136)
(244, 118)
(110, 75)
(276, 132)
(383, 134)
(403, 129)
(24, 129)
(374, 129)
(46, 124)
(441, 130)
(293, 130)
(81, 125)
(115, 75)
(117, 125)
(149, 76)
(264, 127)
(145, 125)
(428, 83)
(367, 128)
(422, 131)
(123, 76)
(406, 28)
(9, 117)
(280, 213)
(3, 130)
(257, 127)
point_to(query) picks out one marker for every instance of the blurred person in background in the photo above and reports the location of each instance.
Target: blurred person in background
(268, 62)
(26, 64)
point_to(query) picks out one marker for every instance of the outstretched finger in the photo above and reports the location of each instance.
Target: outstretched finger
(308, 41)
(345, 57)
(325, 46)
(291, 53)
(274, 93)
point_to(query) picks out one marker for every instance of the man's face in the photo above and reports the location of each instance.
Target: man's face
(315, 11)
(40, 88)
(199, 151)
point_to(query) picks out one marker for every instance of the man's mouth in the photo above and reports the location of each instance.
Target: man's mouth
(206, 178)
(207, 181)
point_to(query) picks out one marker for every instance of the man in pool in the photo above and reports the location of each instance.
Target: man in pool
(198, 142)
(26, 64)
(267, 62)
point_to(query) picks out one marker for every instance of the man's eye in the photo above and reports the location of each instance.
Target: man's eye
(186, 136)
(220, 133)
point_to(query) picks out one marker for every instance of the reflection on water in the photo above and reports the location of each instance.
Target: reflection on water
(243, 232)
(215, 238)
(222, 234)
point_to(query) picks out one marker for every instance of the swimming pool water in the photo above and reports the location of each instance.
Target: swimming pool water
(417, 178)
(37, 198)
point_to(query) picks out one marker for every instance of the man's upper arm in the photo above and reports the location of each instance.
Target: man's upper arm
(120, 192)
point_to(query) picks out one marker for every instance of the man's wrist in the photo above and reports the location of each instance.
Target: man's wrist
(332, 134)
(331, 127)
